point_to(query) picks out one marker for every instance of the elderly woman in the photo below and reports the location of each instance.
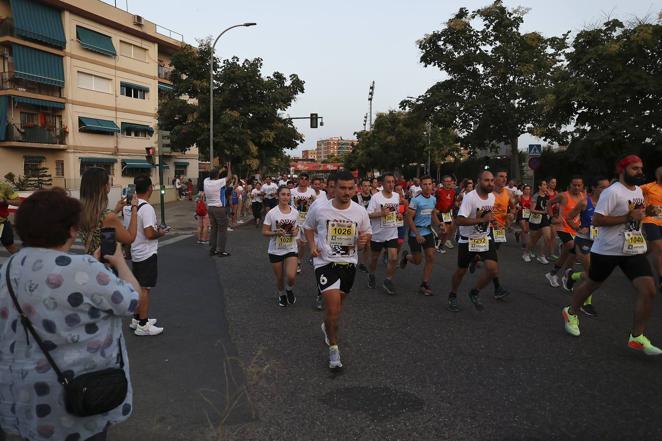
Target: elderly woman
(75, 305)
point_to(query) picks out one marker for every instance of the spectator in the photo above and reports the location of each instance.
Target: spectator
(189, 189)
(214, 187)
(202, 216)
(178, 187)
(7, 196)
(76, 306)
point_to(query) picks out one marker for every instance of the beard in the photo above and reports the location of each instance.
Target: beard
(634, 179)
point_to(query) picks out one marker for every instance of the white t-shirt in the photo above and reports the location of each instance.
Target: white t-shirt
(269, 190)
(337, 232)
(473, 206)
(287, 221)
(415, 190)
(178, 183)
(302, 200)
(213, 188)
(281, 183)
(384, 228)
(617, 200)
(321, 194)
(256, 195)
(143, 248)
(516, 191)
(240, 192)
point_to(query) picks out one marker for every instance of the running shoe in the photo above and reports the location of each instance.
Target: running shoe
(440, 250)
(571, 322)
(298, 268)
(326, 337)
(389, 287)
(230, 229)
(425, 289)
(134, 323)
(148, 330)
(282, 301)
(553, 280)
(474, 296)
(571, 282)
(644, 345)
(319, 303)
(543, 260)
(565, 279)
(334, 357)
(372, 283)
(200, 242)
(291, 298)
(449, 245)
(452, 304)
(403, 260)
(553, 257)
(526, 257)
(500, 293)
(222, 254)
(589, 310)
(362, 267)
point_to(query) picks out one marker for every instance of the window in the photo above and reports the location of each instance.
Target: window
(59, 168)
(132, 92)
(32, 165)
(93, 82)
(106, 166)
(28, 119)
(133, 172)
(135, 133)
(132, 51)
(180, 170)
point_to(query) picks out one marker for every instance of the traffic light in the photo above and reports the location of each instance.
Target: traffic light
(149, 154)
(314, 121)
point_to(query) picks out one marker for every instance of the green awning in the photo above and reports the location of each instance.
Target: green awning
(132, 126)
(36, 21)
(95, 41)
(3, 117)
(136, 163)
(181, 164)
(166, 87)
(37, 102)
(98, 160)
(35, 157)
(134, 86)
(95, 125)
(35, 65)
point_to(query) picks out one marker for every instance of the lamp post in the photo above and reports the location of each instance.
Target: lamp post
(370, 95)
(211, 92)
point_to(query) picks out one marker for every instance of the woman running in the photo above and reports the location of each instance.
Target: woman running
(523, 218)
(280, 224)
(540, 224)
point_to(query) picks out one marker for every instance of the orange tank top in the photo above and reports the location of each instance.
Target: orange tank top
(501, 203)
(570, 204)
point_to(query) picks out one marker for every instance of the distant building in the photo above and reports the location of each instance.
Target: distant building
(335, 147)
(309, 154)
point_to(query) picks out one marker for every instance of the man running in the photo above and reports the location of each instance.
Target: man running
(363, 199)
(653, 221)
(269, 189)
(415, 189)
(336, 231)
(317, 186)
(618, 216)
(384, 214)
(421, 214)
(445, 205)
(504, 206)
(302, 198)
(474, 219)
(329, 194)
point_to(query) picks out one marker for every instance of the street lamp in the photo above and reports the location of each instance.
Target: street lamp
(371, 94)
(211, 92)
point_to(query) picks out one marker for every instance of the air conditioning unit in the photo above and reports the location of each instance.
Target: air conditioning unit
(137, 20)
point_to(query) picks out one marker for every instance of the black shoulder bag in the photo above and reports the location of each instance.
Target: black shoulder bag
(88, 394)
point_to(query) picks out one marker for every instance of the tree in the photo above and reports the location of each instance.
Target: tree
(497, 77)
(248, 127)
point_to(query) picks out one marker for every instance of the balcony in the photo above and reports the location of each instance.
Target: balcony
(7, 81)
(165, 72)
(36, 135)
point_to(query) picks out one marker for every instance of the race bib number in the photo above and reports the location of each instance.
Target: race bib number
(634, 243)
(499, 235)
(400, 223)
(302, 216)
(526, 213)
(593, 233)
(389, 220)
(536, 218)
(284, 242)
(479, 244)
(341, 235)
(446, 218)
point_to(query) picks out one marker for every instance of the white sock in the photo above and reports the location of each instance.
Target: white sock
(289, 288)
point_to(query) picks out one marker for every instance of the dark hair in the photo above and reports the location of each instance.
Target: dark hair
(388, 174)
(142, 184)
(423, 178)
(333, 177)
(576, 177)
(368, 180)
(344, 175)
(214, 173)
(93, 197)
(316, 178)
(501, 170)
(539, 182)
(45, 219)
(281, 188)
(304, 175)
(446, 176)
(223, 174)
(594, 181)
(481, 173)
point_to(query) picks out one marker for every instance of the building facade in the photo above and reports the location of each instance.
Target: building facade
(334, 148)
(80, 85)
(309, 154)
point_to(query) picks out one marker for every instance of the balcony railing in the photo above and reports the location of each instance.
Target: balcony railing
(36, 135)
(165, 72)
(7, 81)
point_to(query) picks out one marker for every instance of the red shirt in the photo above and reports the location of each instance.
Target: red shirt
(445, 200)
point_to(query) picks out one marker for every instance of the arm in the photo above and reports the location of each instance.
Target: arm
(122, 235)
(570, 217)
(409, 218)
(152, 234)
(229, 176)
(601, 220)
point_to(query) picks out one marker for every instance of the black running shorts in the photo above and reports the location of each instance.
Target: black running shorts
(146, 272)
(378, 246)
(275, 258)
(465, 257)
(652, 232)
(583, 245)
(416, 247)
(632, 266)
(335, 276)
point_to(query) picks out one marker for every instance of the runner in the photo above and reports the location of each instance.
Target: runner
(445, 205)
(269, 189)
(504, 205)
(564, 230)
(474, 219)
(384, 215)
(402, 209)
(539, 223)
(330, 193)
(554, 220)
(282, 224)
(342, 228)
(618, 216)
(302, 198)
(653, 220)
(363, 199)
(256, 203)
(586, 234)
(374, 185)
(421, 214)
(415, 188)
(523, 215)
(317, 186)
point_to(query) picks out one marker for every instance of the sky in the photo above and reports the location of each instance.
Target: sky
(338, 48)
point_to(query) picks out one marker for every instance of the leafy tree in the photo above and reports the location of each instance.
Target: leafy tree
(247, 125)
(496, 76)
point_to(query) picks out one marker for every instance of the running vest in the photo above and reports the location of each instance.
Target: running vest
(586, 216)
(564, 210)
(501, 204)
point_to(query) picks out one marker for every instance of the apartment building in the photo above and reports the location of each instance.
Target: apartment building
(309, 154)
(79, 87)
(334, 148)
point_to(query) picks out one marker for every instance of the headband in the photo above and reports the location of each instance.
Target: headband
(623, 163)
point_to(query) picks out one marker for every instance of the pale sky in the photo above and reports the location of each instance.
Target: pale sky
(339, 47)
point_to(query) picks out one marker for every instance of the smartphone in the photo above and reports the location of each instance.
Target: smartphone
(130, 190)
(108, 243)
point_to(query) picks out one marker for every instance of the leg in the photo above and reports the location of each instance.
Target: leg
(655, 247)
(222, 235)
(278, 273)
(458, 275)
(374, 257)
(392, 262)
(143, 304)
(429, 262)
(290, 266)
(533, 240)
(214, 220)
(644, 305)
(333, 303)
(549, 240)
(491, 271)
(205, 228)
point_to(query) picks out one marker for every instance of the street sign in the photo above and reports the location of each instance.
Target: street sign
(535, 150)
(534, 163)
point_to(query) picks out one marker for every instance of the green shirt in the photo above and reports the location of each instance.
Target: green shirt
(7, 193)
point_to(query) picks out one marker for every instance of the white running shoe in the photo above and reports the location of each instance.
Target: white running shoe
(440, 250)
(148, 329)
(230, 229)
(543, 260)
(449, 245)
(553, 280)
(326, 337)
(134, 322)
(334, 357)
(526, 257)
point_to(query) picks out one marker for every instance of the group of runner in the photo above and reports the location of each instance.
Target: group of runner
(348, 225)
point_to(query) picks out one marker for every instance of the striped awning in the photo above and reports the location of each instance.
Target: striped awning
(136, 163)
(38, 102)
(132, 126)
(35, 20)
(38, 66)
(181, 164)
(166, 87)
(96, 125)
(88, 160)
(95, 41)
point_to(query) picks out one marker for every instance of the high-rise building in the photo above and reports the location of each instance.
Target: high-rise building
(335, 148)
(309, 154)
(79, 87)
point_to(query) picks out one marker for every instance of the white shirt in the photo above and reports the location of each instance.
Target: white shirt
(256, 195)
(281, 183)
(143, 248)
(302, 200)
(516, 191)
(213, 188)
(178, 183)
(384, 228)
(415, 190)
(321, 194)
(473, 206)
(269, 190)
(617, 200)
(337, 232)
(240, 192)
(287, 221)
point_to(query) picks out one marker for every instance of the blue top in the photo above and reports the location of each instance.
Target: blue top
(423, 217)
(586, 216)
